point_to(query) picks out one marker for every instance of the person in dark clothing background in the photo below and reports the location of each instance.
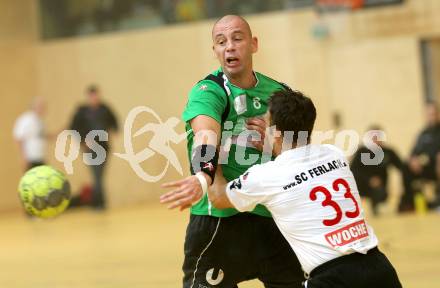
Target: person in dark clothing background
(372, 180)
(95, 115)
(424, 162)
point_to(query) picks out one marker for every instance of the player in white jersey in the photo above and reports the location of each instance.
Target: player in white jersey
(313, 198)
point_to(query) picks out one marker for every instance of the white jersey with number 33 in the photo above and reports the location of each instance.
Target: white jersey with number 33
(314, 200)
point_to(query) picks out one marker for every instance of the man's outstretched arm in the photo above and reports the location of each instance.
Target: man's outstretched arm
(187, 191)
(216, 193)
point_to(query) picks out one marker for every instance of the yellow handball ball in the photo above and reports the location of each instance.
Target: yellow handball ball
(44, 191)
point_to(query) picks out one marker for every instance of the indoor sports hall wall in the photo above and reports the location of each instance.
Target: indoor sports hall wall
(368, 71)
(18, 85)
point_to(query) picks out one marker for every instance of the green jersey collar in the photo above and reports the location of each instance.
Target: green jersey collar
(253, 72)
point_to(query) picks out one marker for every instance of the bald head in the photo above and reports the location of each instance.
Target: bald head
(230, 21)
(234, 45)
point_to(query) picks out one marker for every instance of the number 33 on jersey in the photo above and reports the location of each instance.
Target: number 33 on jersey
(314, 200)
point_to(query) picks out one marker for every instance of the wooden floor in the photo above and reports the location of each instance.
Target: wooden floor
(142, 247)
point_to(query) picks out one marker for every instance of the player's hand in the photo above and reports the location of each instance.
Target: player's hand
(186, 192)
(257, 124)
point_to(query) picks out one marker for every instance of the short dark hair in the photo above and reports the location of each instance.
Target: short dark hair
(291, 110)
(375, 127)
(91, 89)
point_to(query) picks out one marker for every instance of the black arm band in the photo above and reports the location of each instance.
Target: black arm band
(204, 159)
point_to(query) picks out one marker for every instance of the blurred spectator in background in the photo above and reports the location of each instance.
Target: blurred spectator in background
(30, 135)
(424, 162)
(372, 180)
(95, 115)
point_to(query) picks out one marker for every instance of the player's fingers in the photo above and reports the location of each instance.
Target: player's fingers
(170, 196)
(257, 121)
(251, 126)
(184, 207)
(178, 194)
(256, 128)
(174, 205)
(173, 184)
(256, 125)
(186, 198)
(257, 144)
(180, 202)
(165, 199)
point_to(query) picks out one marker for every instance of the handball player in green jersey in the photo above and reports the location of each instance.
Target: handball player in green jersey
(225, 109)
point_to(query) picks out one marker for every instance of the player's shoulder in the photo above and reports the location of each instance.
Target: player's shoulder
(262, 173)
(24, 116)
(105, 106)
(213, 82)
(81, 110)
(28, 117)
(329, 148)
(266, 80)
(206, 86)
(250, 181)
(82, 107)
(253, 174)
(21, 120)
(257, 170)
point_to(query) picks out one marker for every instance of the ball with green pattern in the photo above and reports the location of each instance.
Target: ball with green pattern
(44, 191)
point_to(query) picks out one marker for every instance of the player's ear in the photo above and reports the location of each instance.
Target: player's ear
(213, 52)
(267, 118)
(277, 142)
(254, 44)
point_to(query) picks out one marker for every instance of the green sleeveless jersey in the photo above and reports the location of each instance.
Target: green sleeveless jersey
(230, 106)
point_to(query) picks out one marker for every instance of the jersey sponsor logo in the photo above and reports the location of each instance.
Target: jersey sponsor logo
(214, 276)
(203, 87)
(240, 104)
(300, 178)
(348, 234)
(315, 171)
(325, 168)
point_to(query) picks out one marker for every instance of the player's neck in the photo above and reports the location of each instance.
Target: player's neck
(244, 81)
(278, 147)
